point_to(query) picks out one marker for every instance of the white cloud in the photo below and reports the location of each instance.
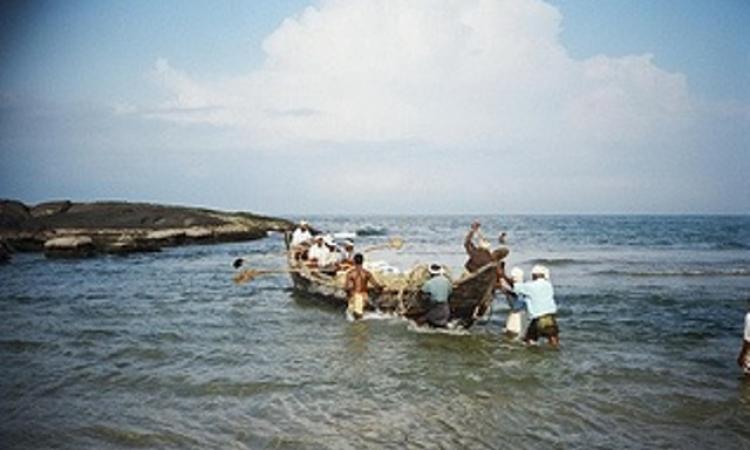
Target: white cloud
(453, 73)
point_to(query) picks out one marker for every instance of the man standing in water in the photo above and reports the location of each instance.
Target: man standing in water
(439, 288)
(744, 359)
(540, 304)
(357, 281)
(514, 322)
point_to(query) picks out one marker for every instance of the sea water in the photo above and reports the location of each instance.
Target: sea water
(164, 351)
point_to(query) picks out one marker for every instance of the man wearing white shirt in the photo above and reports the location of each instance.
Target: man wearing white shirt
(301, 234)
(744, 359)
(318, 252)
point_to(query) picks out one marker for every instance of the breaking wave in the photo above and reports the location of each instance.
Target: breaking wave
(739, 272)
(559, 262)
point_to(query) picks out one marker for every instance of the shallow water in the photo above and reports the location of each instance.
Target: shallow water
(164, 351)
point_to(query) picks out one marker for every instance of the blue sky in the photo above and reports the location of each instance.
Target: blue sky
(355, 107)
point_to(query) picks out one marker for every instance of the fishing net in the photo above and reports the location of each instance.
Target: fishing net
(391, 281)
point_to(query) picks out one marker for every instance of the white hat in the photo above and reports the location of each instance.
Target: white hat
(348, 243)
(435, 269)
(484, 243)
(540, 270)
(516, 274)
(328, 240)
(302, 223)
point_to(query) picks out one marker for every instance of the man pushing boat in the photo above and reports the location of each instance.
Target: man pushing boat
(358, 280)
(481, 254)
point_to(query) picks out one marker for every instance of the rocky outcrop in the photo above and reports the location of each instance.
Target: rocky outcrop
(122, 227)
(126, 245)
(13, 215)
(50, 208)
(69, 247)
(5, 252)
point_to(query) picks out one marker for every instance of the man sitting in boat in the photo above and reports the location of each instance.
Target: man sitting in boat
(480, 254)
(345, 255)
(328, 263)
(301, 234)
(318, 252)
(439, 288)
(358, 280)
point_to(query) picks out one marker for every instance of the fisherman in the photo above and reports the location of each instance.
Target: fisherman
(357, 281)
(514, 322)
(743, 360)
(502, 238)
(329, 262)
(301, 234)
(318, 252)
(480, 254)
(439, 288)
(540, 303)
(347, 255)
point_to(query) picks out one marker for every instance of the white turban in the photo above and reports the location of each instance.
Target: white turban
(516, 274)
(540, 270)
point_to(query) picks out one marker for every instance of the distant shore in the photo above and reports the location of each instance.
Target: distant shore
(70, 229)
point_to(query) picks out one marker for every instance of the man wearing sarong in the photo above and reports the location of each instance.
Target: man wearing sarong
(744, 359)
(540, 304)
(439, 288)
(358, 280)
(514, 322)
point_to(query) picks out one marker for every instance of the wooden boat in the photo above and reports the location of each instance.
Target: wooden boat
(470, 299)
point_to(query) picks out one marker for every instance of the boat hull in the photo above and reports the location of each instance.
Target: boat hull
(471, 296)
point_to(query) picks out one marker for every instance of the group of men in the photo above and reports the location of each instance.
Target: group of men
(321, 251)
(534, 297)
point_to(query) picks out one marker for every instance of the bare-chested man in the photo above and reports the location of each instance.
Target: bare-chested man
(357, 281)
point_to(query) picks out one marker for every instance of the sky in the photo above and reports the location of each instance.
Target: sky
(374, 107)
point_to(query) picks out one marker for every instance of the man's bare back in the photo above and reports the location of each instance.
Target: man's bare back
(358, 280)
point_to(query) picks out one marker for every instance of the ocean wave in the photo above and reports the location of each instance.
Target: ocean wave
(738, 272)
(559, 262)
(731, 245)
(371, 230)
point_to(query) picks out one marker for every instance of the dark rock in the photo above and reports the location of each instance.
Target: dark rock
(13, 214)
(5, 252)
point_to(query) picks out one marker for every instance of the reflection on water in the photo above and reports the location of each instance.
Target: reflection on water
(164, 351)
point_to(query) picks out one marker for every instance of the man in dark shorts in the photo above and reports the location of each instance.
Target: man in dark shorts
(540, 303)
(439, 288)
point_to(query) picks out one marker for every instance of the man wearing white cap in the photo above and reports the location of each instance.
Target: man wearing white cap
(438, 288)
(744, 359)
(301, 234)
(540, 304)
(329, 262)
(318, 252)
